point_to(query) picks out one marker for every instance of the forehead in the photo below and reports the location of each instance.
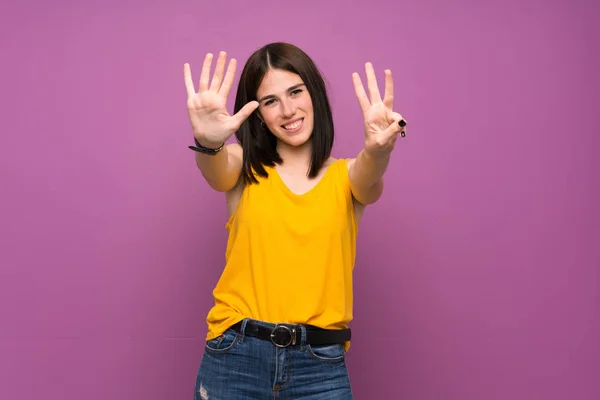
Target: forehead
(277, 81)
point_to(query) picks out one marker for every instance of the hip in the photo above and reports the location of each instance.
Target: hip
(239, 364)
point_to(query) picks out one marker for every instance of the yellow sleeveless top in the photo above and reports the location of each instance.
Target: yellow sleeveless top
(289, 257)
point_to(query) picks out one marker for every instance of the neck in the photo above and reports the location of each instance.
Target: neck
(295, 157)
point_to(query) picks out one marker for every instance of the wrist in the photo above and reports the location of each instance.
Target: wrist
(200, 141)
(375, 154)
(209, 148)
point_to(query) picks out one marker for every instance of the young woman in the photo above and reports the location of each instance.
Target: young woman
(279, 325)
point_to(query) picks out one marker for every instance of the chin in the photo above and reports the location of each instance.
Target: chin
(295, 140)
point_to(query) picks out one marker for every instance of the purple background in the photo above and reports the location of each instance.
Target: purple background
(478, 271)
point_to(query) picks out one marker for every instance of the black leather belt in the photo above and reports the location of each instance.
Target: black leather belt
(284, 335)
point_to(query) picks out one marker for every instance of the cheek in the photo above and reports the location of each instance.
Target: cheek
(270, 117)
(307, 105)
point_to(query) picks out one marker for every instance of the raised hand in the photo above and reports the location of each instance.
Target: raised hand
(382, 125)
(211, 123)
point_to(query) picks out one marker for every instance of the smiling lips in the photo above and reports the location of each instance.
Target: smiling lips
(294, 126)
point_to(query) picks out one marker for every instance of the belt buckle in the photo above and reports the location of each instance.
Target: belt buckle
(291, 332)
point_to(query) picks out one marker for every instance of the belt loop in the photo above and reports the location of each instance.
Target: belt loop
(303, 336)
(243, 329)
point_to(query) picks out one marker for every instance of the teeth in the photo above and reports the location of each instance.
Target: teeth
(293, 125)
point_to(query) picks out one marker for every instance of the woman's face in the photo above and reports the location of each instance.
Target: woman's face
(285, 107)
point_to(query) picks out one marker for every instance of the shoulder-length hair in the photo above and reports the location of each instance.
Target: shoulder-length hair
(258, 143)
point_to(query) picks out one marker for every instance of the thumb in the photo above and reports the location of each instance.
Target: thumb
(244, 113)
(395, 127)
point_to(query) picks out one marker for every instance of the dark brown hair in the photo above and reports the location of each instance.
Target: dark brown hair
(258, 143)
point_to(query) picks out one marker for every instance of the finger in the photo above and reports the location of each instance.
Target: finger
(359, 89)
(388, 98)
(205, 75)
(219, 70)
(228, 80)
(244, 113)
(372, 83)
(394, 140)
(395, 117)
(402, 124)
(398, 124)
(392, 132)
(187, 78)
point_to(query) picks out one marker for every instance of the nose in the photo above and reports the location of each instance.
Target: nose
(288, 109)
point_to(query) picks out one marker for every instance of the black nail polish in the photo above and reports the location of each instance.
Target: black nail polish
(402, 133)
(402, 123)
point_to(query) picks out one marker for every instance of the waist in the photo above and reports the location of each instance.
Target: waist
(285, 335)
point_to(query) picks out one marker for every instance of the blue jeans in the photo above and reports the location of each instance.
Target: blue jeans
(236, 366)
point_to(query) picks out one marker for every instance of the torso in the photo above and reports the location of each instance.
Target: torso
(285, 224)
(297, 183)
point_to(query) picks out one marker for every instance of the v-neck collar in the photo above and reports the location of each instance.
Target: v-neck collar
(312, 190)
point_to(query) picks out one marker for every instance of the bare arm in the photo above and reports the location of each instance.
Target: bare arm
(366, 177)
(382, 127)
(211, 123)
(222, 170)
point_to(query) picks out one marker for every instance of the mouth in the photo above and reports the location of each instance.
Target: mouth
(294, 126)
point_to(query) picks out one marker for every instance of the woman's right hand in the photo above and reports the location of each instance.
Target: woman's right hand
(211, 123)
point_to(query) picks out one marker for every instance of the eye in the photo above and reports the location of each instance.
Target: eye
(268, 102)
(296, 91)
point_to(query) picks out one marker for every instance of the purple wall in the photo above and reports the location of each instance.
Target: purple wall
(478, 271)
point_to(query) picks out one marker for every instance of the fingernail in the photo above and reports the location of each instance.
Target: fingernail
(402, 133)
(402, 123)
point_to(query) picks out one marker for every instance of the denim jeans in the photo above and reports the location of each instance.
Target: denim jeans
(236, 366)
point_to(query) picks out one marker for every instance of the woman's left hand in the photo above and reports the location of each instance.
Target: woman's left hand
(382, 124)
